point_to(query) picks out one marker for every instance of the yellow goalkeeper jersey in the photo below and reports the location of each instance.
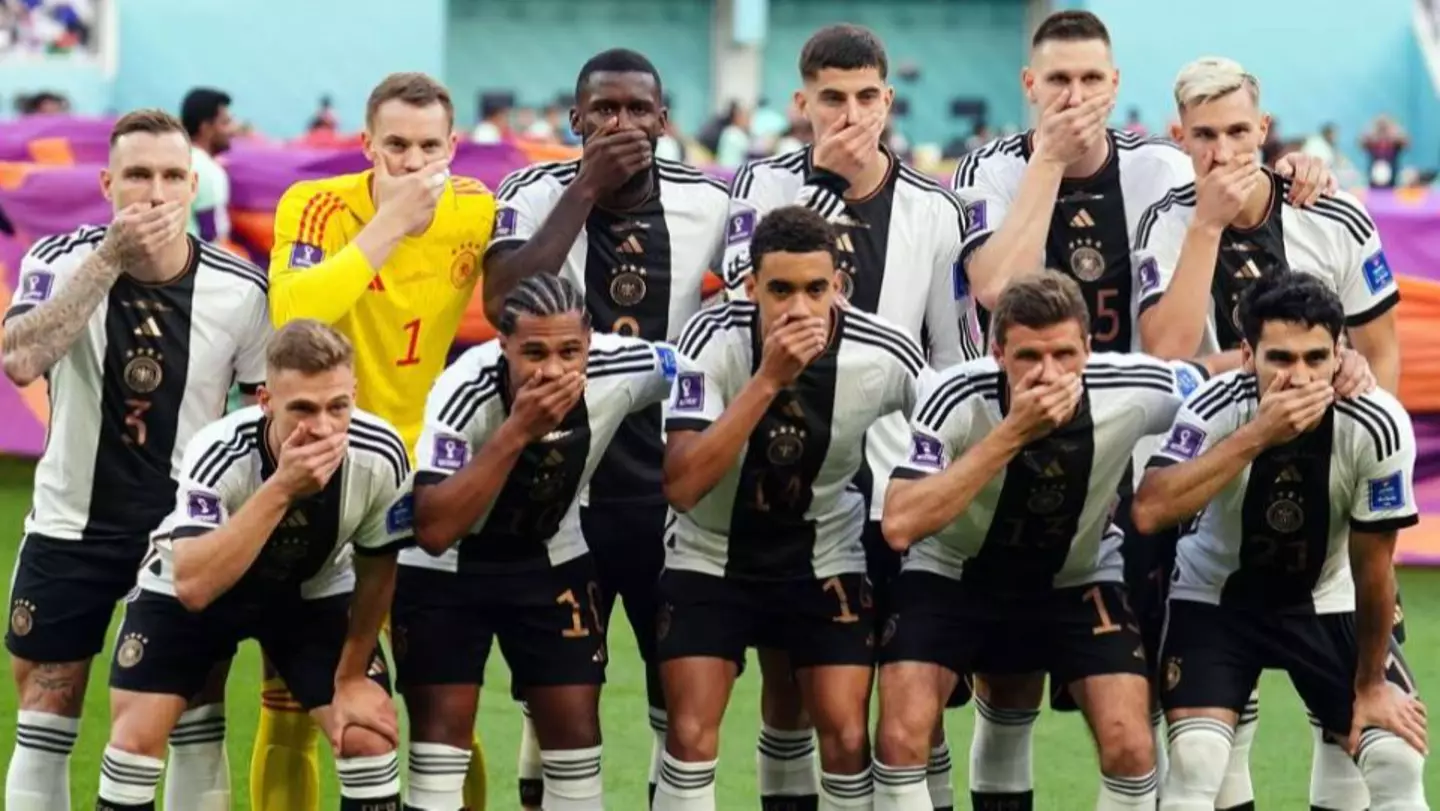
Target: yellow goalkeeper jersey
(401, 317)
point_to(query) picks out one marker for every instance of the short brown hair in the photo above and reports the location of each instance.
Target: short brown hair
(308, 347)
(415, 89)
(843, 47)
(1070, 26)
(1039, 300)
(149, 120)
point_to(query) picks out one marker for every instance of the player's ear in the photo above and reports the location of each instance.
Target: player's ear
(1177, 132)
(367, 145)
(1265, 122)
(800, 102)
(105, 180)
(576, 125)
(1027, 83)
(1247, 357)
(454, 142)
(750, 285)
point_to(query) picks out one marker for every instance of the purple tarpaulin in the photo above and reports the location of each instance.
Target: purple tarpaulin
(53, 200)
(89, 137)
(1410, 229)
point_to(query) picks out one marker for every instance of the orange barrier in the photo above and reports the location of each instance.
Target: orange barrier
(1418, 322)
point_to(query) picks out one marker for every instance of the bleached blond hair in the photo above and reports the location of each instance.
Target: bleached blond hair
(1211, 77)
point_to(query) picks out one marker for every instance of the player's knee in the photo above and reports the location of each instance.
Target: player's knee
(1389, 765)
(902, 740)
(691, 740)
(846, 740)
(1199, 753)
(361, 742)
(54, 688)
(130, 733)
(1126, 747)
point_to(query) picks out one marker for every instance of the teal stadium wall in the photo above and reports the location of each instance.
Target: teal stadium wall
(1343, 61)
(536, 47)
(972, 48)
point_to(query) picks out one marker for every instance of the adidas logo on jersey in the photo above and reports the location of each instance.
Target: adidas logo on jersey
(556, 436)
(295, 520)
(149, 328)
(1082, 219)
(1289, 474)
(631, 245)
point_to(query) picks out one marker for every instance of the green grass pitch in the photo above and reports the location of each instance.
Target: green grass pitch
(1065, 764)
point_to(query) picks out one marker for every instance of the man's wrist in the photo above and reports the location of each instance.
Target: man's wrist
(586, 187)
(510, 438)
(765, 385)
(1208, 227)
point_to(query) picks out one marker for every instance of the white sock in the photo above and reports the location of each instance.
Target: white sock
(937, 778)
(572, 779)
(1162, 751)
(841, 791)
(685, 786)
(1199, 750)
(1000, 750)
(1394, 772)
(1118, 793)
(1335, 781)
(198, 774)
(39, 774)
(528, 770)
(127, 779)
(375, 777)
(901, 788)
(436, 781)
(1236, 788)
(785, 762)
(659, 724)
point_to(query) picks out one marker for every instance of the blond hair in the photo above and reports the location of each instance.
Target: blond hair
(415, 89)
(148, 120)
(308, 347)
(1212, 77)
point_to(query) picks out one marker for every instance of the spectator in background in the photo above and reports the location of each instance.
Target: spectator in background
(1133, 123)
(324, 119)
(1325, 146)
(42, 103)
(205, 112)
(980, 136)
(799, 134)
(732, 148)
(1273, 146)
(494, 126)
(767, 125)
(546, 127)
(1383, 144)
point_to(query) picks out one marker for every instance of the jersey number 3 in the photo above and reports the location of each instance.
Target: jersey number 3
(411, 358)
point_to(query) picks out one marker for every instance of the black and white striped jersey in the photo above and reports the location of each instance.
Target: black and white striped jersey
(1092, 224)
(1046, 520)
(1277, 537)
(534, 522)
(641, 271)
(153, 366)
(1334, 241)
(786, 508)
(899, 253)
(366, 508)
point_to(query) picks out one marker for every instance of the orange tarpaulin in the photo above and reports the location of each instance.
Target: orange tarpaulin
(1419, 328)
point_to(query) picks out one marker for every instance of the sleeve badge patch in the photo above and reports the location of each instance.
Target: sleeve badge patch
(689, 391)
(1184, 441)
(1387, 493)
(203, 506)
(449, 453)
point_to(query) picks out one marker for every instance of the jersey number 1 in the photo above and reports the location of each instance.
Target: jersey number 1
(411, 358)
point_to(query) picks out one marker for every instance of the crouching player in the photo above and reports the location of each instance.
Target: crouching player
(1300, 496)
(513, 432)
(288, 518)
(765, 432)
(1013, 563)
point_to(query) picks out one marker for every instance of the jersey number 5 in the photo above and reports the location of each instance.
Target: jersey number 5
(411, 358)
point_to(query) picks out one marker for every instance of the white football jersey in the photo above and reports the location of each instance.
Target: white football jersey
(899, 253)
(153, 365)
(1277, 537)
(787, 508)
(366, 507)
(1046, 521)
(1093, 222)
(534, 522)
(1335, 241)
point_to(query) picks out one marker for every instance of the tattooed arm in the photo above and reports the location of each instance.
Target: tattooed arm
(36, 339)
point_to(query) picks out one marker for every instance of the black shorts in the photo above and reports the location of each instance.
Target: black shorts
(817, 622)
(547, 622)
(1213, 656)
(1070, 633)
(164, 648)
(1149, 560)
(64, 595)
(627, 542)
(882, 564)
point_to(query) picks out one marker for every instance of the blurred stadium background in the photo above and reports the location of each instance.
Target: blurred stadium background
(1355, 83)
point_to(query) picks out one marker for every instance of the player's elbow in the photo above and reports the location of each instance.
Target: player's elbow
(433, 536)
(192, 593)
(679, 493)
(898, 530)
(18, 369)
(1147, 512)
